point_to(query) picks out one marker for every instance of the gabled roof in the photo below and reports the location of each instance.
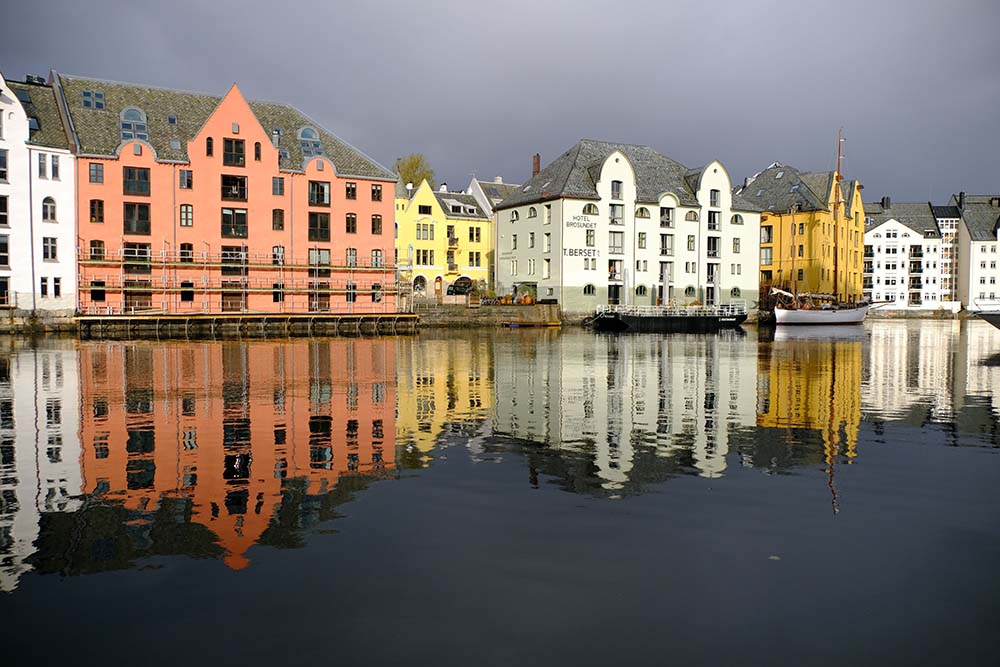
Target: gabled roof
(981, 215)
(469, 208)
(574, 173)
(779, 187)
(918, 217)
(98, 130)
(847, 189)
(44, 108)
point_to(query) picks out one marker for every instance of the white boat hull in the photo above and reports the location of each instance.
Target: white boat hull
(821, 316)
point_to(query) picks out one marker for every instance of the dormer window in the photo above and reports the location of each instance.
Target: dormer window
(171, 120)
(309, 140)
(779, 174)
(133, 125)
(93, 99)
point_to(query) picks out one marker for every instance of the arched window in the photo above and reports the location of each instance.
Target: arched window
(309, 140)
(514, 216)
(49, 209)
(590, 209)
(735, 292)
(209, 145)
(642, 213)
(532, 213)
(737, 219)
(589, 290)
(689, 291)
(256, 151)
(133, 125)
(420, 285)
(640, 290)
(692, 216)
(377, 257)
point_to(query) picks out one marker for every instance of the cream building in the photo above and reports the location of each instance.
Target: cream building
(978, 258)
(623, 224)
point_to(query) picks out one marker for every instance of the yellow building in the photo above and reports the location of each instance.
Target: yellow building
(442, 239)
(811, 230)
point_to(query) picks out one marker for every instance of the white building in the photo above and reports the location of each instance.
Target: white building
(978, 238)
(948, 219)
(616, 223)
(40, 468)
(37, 202)
(488, 194)
(902, 260)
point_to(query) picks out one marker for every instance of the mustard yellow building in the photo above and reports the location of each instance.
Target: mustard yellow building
(811, 230)
(443, 239)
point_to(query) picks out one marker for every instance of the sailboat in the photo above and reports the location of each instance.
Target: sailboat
(820, 309)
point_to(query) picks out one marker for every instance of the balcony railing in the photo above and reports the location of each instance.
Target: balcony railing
(616, 221)
(234, 192)
(666, 221)
(614, 275)
(712, 253)
(452, 267)
(452, 241)
(617, 250)
(712, 279)
(666, 252)
(916, 267)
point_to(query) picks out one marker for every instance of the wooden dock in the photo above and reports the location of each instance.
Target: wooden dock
(242, 325)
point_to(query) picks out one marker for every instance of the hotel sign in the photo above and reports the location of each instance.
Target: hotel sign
(581, 221)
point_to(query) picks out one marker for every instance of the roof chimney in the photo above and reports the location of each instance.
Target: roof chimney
(498, 179)
(443, 188)
(536, 164)
(961, 200)
(886, 202)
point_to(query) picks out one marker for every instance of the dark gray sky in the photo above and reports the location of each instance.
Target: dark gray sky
(481, 86)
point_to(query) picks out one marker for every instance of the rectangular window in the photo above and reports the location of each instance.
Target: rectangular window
(49, 252)
(616, 189)
(186, 179)
(319, 193)
(277, 186)
(767, 234)
(713, 220)
(3, 164)
(97, 250)
(136, 220)
(713, 246)
(187, 253)
(766, 255)
(278, 220)
(667, 245)
(319, 257)
(351, 224)
(591, 238)
(55, 172)
(713, 197)
(4, 211)
(234, 260)
(96, 172)
(617, 213)
(642, 239)
(234, 223)
(513, 241)
(44, 286)
(319, 226)
(278, 292)
(4, 251)
(424, 209)
(376, 192)
(277, 255)
(137, 256)
(234, 188)
(736, 246)
(233, 152)
(97, 210)
(352, 292)
(351, 190)
(691, 241)
(187, 292)
(546, 241)
(187, 215)
(546, 268)
(616, 243)
(136, 181)
(42, 170)
(376, 224)
(531, 239)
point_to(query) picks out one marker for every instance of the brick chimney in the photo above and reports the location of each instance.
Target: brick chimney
(961, 200)
(886, 202)
(536, 164)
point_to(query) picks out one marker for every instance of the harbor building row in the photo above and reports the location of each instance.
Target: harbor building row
(136, 199)
(923, 256)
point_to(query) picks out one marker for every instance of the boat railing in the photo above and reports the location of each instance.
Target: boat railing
(720, 310)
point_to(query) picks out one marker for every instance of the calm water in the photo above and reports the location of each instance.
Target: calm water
(532, 497)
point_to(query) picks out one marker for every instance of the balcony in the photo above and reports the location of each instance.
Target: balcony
(666, 252)
(867, 284)
(617, 250)
(614, 275)
(916, 283)
(713, 225)
(452, 267)
(712, 253)
(712, 279)
(616, 221)
(234, 192)
(666, 221)
(452, 241)
(916, 267)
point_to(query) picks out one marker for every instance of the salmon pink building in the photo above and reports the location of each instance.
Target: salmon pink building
(190, 203)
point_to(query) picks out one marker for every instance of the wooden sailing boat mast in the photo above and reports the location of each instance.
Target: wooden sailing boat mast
(836, 215)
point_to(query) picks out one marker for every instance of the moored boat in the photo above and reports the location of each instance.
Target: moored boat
(668, 319)
(821, 314)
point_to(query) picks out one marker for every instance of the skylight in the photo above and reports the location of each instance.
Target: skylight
(779, 174)
(23, 96)
(33, 123)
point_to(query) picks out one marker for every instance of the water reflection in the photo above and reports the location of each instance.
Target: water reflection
(114, 452)
(194, 448)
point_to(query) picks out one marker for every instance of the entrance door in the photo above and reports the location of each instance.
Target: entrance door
(709, 296)
(614, 294)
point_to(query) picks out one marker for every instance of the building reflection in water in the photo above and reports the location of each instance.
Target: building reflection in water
(641, 407)
(197, 448)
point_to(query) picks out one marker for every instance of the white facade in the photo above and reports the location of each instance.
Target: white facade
(37, 187)
(903, 267)
(979, 274)
(40, 468)
(584, 252)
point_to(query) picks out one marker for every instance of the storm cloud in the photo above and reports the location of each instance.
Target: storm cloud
(481, 86)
